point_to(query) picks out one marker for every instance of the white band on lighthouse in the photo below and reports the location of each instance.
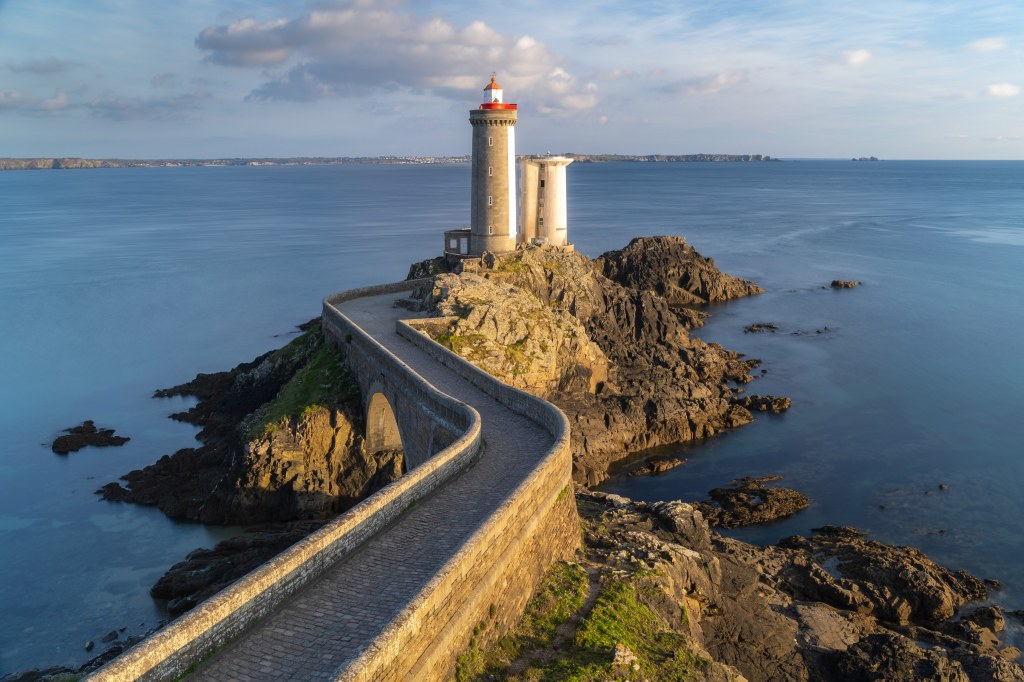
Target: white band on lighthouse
(512, 182)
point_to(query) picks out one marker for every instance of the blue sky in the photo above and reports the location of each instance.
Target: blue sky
(798, 78)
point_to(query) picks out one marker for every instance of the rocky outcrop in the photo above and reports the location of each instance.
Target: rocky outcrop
(832, 607)
(271, 451)
(205, 572)
(764, 403)
(674, 270)
(657, 465)
(85, 434)
(615, 356)
(845, 284)
(517, 337)
(895, 584)
(748, 501)
(313, 466)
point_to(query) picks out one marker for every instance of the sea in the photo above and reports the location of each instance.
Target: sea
(908, 405)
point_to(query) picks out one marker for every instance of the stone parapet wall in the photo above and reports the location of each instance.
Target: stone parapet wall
(169, 653)
(426, 425)
(489, 581)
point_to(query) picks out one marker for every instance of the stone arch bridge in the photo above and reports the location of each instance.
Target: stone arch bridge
(394, 588)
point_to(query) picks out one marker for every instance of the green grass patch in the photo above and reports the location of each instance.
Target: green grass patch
(513, 265)
(622, 616)
(323, 381)
(559, 596)
(469, 346)
(299, 346)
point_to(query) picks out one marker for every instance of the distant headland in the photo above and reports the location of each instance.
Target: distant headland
(59, 163)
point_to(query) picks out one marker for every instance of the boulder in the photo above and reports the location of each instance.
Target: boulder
(748, 501)
(86, 434)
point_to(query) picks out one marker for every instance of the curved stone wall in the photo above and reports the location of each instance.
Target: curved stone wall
(487, 582)
(490, 579)
(168, 653)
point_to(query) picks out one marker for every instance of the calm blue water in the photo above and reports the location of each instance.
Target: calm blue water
(116, 282)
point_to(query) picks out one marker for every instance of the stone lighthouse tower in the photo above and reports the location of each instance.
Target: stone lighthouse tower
(493, 200)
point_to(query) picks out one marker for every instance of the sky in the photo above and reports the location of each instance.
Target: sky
(897, 79)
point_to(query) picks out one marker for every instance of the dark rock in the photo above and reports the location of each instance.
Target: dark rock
(832, 607)
(764, 403)
(737, 416)
(427, 268)
(90, 645)
(943, 486)
(39, 674)
(656, 466)
(86, 434)
(114, 492)
(309, 326)
(204, 572)
(748, 501)
(674, 270)
(896, 584)
(109, 637)
(989, 617)
(893, 658)
(844, 284)
(760, 327)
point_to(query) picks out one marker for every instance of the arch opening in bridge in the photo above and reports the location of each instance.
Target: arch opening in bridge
(381, 426)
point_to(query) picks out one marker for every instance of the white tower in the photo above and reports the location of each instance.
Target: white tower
(544, 215)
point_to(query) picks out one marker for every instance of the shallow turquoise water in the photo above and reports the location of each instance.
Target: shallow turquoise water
(116, 282)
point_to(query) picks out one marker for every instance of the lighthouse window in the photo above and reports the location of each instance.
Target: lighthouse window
(490, 229)
(490, 201)
(490, 170)
(541, 183)
(490, 141)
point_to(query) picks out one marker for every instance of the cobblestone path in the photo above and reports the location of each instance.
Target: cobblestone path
(332, 620)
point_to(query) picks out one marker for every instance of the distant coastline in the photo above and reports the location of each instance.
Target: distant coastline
(65, 163)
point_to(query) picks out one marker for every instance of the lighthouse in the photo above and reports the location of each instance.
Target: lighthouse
(493, 198)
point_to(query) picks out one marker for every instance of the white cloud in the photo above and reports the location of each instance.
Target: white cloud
(15, 100)
(1003, 90)
(365, 46)
(709, 85)
(856, 58)
(992, 44)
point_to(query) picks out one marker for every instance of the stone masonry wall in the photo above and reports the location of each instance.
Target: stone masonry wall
(168, 653)
(492, 578)
(488, 581)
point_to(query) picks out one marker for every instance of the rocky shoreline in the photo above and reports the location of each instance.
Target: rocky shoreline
(281, 450)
